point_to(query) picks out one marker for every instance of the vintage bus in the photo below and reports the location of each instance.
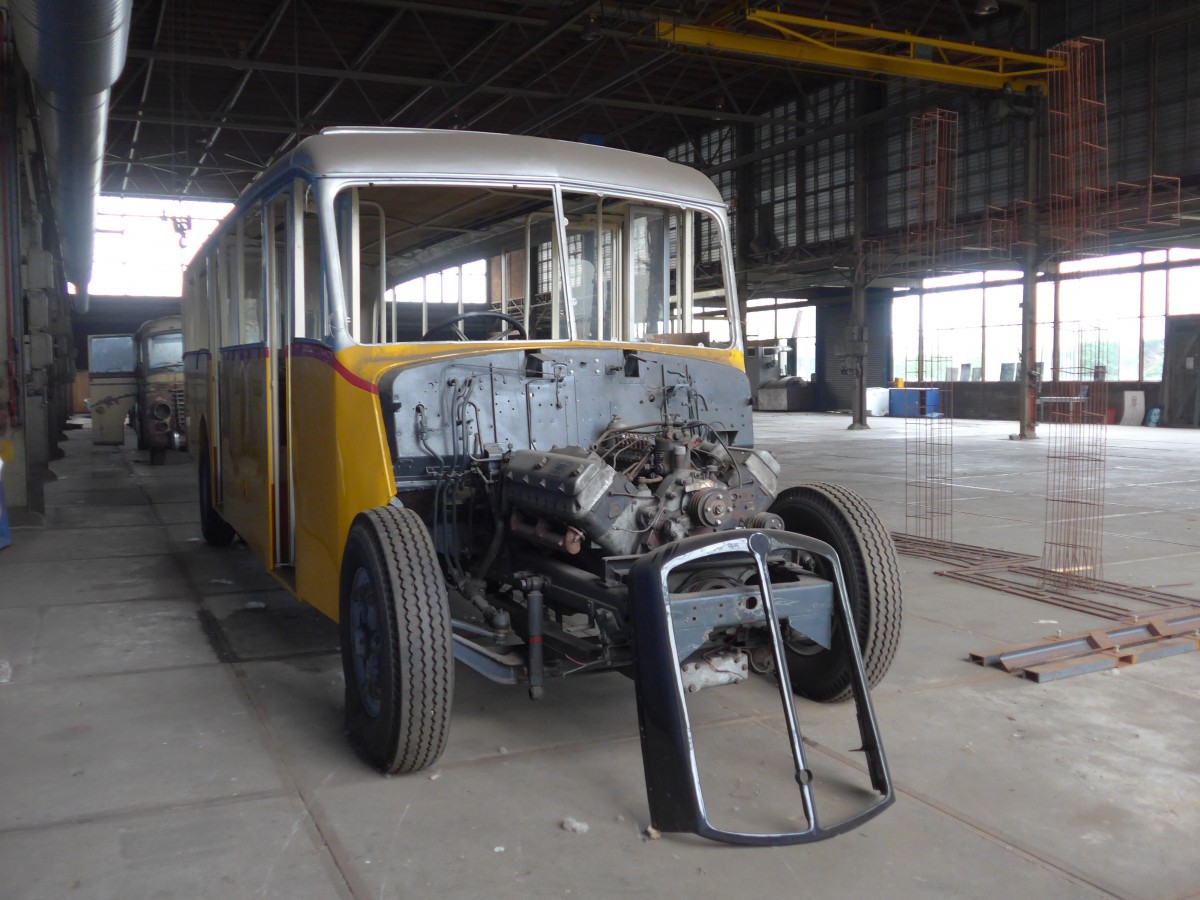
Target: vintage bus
(481, 397)
(158, 409)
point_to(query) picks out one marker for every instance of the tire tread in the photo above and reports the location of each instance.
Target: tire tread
(879, 620)
(424, 663)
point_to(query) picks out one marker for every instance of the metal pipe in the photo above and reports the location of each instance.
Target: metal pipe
(75, 52)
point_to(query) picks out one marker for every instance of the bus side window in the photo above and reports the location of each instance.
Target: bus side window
(224, 275)
(313, 325)
(279, 291)
(195, 305)
(362, 245)
(251, 282)
(652, 265)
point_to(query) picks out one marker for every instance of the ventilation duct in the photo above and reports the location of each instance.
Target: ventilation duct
(75, 52)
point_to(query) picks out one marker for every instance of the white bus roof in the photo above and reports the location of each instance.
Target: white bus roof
(453, 155)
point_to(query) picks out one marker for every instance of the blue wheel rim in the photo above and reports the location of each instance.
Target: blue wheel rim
(367, 637)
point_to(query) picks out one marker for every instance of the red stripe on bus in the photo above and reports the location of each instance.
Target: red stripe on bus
(354, 379)
(324, 354)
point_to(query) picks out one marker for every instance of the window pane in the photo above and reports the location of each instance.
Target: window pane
(1101, 263)
(1004, 305)
(804, 340)
(1183, 295)
(953, 335)
(1100, 312)
(651, 271)
(953, 280)
(905, 320)
(586, 267)
(1154, 292)
(1074, 303)
(1045, 302)
(111, 353)
(1084, 349)
(1003, 352)
(166, 351)
(313, 324)
(1044, 350)
(1155, 332)
(806, 322)
(1126, 340)
(251, 282)
(1003, 275)
(785, 322)
(760, 324)
(497, 249)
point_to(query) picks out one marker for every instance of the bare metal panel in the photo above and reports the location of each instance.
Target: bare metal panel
(537, 400)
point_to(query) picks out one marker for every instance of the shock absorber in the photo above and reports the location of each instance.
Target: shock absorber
(532, 586)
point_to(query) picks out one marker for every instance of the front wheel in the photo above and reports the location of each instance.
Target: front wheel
(397, 649)
(841, 518)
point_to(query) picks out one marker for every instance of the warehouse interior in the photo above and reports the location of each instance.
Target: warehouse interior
(966, 241)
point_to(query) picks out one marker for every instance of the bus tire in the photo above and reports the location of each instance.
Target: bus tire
(842, 518)
(217, 532)
(397, 650)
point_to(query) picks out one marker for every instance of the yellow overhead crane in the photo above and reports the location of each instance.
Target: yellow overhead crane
(820, 42)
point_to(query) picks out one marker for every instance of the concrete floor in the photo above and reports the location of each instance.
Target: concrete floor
(172, 726)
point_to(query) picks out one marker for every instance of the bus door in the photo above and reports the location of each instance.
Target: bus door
(281, 235)
(244, 385)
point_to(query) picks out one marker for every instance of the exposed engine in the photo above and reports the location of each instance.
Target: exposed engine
(659, 549)
(640, 487)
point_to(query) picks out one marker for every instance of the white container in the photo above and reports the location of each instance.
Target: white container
(877, 401)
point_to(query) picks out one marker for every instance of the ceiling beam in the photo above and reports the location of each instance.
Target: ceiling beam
(243, 123)
(345, 75)
(356, 65)
(647, 62)
(333, 72)
(515, 57)
(137, 128)
(260, 44)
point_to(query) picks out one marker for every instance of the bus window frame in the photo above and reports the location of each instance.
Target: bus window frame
(325, 189)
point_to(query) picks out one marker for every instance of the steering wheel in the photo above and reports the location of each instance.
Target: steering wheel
(461, 335)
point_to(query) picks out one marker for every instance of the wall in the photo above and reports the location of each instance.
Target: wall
(1001, 399)
(835, 385)
(37, 358)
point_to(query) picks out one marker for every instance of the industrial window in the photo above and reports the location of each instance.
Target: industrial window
(1111, 317)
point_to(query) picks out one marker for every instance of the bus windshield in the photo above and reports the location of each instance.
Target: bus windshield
(415, 257)
(165, 351)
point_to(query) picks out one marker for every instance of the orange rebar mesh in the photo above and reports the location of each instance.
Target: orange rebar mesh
(1080, 200)
(1075, 413)
(932, 190)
